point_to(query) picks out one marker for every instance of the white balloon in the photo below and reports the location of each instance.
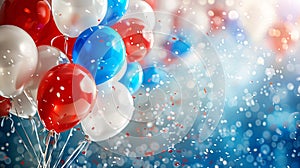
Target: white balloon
(141, 10)
(112, 112)
(18, 60)
(74, 16)
(23, 107)
(48, 57)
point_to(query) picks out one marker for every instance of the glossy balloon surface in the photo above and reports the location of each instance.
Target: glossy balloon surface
(115, 10)
(112, 112)
(18, 60)
(23, 106)
(65, 96)
(143, 11)
(48, 57)
(137, 40)
(100, 49)
(74, 16)
(31, 16)
(133, 77)
(5, 106)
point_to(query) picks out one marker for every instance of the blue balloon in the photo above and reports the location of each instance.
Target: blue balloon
(178, 46)
(101, 50)
(115, 10)
(133, 77)
(154, 77)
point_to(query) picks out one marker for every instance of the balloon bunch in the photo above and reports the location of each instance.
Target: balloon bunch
(64, 61)
(96, 63)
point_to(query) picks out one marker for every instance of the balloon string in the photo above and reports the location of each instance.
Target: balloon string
(52, 41)
(76, 152)
(86, 148)
(66, 45)
(35, 131)
(28, 139)
(47, 143)
(25, 146)
(13, 129)
(63, 149)
(2, 122)
(11, 125)
(52, 149)
(30, 99)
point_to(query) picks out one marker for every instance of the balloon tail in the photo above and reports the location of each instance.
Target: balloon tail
(30, 99)
(52, 41)
(63, 149)
(2, 122)
(76, 152)
(11, 121)
(84, 151)
(66, 45)
(13, 129)
(28, 139)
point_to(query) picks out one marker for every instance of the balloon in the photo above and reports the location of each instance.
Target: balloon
(143, 11)
(153, 77)
(18, 60)
(111, 114)
(121, 73)
(137, 41)
(22, 106)
(74, 16)
(5, 106)
(50, 35)
(133, 77)
(101, 50)
(31, 15)
(66, 95)
(179, 46)
(48, 57)
(115, 10)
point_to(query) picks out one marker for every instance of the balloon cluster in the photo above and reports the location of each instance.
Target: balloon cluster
(67, 61)
(118, 68)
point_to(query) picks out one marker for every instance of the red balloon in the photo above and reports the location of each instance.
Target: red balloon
(137, 40)
(51, 36)
(30, 15)
(66, 95)
(5, 106)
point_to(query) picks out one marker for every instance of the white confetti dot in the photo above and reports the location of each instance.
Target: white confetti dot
(290, 86)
